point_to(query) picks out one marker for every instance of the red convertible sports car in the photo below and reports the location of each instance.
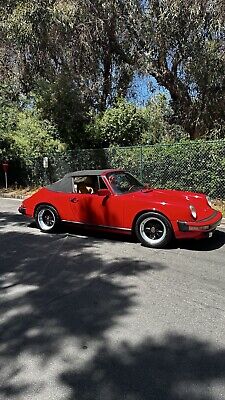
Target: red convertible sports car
(115, 200)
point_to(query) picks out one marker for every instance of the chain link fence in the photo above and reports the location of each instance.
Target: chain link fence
(194, 165)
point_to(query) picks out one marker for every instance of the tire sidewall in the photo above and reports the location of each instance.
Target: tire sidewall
(168, 230)
(53, 211)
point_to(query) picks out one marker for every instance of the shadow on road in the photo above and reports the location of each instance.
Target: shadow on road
(173, 368)
(56, 289)
(12, 219)
(53, 287)
(215, 242)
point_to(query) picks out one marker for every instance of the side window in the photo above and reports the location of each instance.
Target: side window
(102, 184)
(84, 184)
(74, 186)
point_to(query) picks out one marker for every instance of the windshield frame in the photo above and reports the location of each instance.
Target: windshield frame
(138, 186)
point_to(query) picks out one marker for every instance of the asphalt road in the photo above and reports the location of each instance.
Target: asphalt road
(86, 316)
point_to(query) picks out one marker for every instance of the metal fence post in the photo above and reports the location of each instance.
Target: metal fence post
(141, 164)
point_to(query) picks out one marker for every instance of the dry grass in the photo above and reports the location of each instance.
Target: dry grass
(18, 192)
(219, 205)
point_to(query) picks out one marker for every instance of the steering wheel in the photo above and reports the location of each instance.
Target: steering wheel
(133, 186)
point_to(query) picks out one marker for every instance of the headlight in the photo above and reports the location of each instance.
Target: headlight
(208, 201)
(193, 211)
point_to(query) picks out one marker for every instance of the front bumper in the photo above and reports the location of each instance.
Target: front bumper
(208, 224)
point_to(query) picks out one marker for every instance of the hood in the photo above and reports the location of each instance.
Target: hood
(175, 198)
(177, 195)
(170, 195)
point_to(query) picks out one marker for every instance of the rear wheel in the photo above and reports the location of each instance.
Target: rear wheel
(46, 218)
(153, 230)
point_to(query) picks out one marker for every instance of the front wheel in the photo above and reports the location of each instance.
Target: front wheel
(153, 230)
(46, 218)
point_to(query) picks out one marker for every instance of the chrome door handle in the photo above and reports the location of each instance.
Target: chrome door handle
(74, 200)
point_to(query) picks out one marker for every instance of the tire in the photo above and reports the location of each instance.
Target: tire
(153, 230)
(46, 218)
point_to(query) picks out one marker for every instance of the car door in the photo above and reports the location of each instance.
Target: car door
(107, 211)
(95, 209)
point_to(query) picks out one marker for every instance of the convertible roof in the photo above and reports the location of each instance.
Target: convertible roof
(65, 184)
(91, 172)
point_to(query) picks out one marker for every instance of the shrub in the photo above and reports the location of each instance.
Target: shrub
(25, 138)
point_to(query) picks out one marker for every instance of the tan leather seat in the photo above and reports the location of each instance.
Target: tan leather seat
(84, 189)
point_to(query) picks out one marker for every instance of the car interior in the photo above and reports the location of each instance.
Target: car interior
(85, 184)
(88, 184)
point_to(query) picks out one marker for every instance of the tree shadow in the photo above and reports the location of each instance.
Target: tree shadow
(173, 368)
(217, 241)
(11, 219)
(54, 287)
(58, 288)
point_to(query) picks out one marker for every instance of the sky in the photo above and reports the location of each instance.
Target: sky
(143, 88)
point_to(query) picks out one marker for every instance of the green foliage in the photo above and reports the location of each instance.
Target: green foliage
(184, 51)
(158, 128)
(81, 55)
(24, 139)
(67, 52)
(121, 125)
(61, 102)
(33, 137)
(125, 124)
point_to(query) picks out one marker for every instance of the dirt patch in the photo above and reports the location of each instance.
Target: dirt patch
(219, 205)
(18, 193)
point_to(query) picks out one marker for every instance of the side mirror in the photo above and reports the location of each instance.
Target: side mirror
(104, 192)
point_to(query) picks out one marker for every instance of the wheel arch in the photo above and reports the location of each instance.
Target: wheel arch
(45, 204)
(147, 211)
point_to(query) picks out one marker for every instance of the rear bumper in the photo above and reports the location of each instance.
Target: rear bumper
(208, 224)
(22, 210)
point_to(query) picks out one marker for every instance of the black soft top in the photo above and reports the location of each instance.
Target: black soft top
(65, 184)
(91, 172)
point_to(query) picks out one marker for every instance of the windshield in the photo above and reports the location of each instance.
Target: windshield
(123, 182)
